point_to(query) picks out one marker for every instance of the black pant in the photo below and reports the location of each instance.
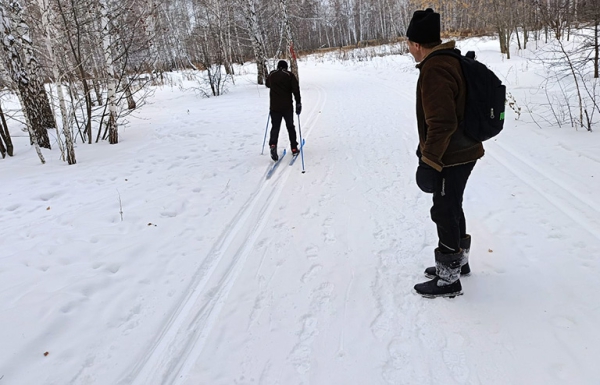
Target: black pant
(276, 124)
(447, 211)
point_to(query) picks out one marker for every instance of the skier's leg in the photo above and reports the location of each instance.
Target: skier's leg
(275, 126)
(289, 123)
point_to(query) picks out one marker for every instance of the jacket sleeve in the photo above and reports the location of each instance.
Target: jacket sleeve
(295, 88)
(439, 93)
(268, 81)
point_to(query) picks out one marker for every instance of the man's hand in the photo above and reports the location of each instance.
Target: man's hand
(298, 108)
(428, 178)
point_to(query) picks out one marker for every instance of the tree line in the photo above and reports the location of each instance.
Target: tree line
(80, 66)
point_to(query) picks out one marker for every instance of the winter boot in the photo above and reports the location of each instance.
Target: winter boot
(465, 269)
(447, 282)
(274, 154)
(295, 151)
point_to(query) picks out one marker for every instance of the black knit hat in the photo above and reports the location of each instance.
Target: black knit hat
(424, 27)
(282, 65)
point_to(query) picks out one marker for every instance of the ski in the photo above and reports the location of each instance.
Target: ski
(294, 157)
(274, 166)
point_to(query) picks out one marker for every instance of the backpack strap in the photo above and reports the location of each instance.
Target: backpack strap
(449, 52)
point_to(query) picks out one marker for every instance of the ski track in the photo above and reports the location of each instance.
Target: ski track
(181, 341)
(580, 209)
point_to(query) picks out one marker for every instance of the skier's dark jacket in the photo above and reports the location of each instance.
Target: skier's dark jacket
(282, 84)
(441, 101)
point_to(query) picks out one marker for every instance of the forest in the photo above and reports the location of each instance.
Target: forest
(81, 66)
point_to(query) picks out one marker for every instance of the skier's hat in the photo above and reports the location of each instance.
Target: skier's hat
(282, 65)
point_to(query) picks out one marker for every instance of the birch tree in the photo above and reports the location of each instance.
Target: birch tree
(6, 146)
(25, 84)
(50, 36)
(590, 15)
(21, 65)
(289, 53)
(113, 133)
(75, 18)
(256, 38)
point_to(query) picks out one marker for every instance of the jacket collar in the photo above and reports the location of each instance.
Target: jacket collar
(448, 45)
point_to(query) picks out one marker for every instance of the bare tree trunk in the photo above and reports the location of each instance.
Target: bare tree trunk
(47, 114)
(76, 51)
(2, 148)
(113, 134)
(37, 85)
(239, 53)
(152, 25)
(222, 41)
(131, 105)
(69, 147)
(25, 99)
(596, 22)
(25, 82)
(507, 40)
(574, 74)
(290, 54)
(97, 88)
(257, 40)
(5, 136)
(502, 39)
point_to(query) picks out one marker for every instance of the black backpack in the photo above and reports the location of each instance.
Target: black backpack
(486, 96)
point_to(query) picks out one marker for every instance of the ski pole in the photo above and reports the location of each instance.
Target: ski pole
(266, 130)
(301, 146)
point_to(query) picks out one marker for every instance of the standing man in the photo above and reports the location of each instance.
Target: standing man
(446, 155)
(283, 85)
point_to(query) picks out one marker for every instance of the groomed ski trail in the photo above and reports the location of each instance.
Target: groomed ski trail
(182, 338)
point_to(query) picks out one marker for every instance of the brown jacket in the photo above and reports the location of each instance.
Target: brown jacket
(441, 99)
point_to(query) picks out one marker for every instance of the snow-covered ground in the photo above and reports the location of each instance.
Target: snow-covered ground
(169, 259)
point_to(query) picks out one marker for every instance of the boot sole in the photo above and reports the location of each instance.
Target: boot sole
(435, 276)
(447, 295)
